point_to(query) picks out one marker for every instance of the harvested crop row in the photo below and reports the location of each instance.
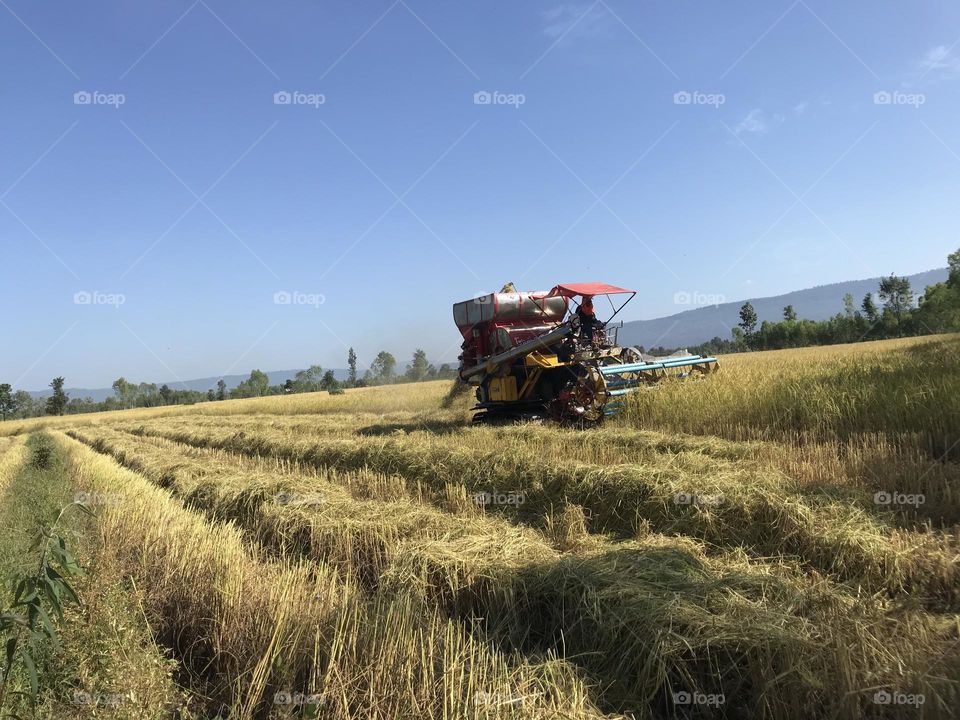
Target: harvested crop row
(318, 516)
(726, 508)
(262, 627)
(645, 619)
(359, 520)
(13, 453)
(209, 597)
(857, 469)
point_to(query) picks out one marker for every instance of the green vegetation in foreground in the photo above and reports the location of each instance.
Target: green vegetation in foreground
(105, 658)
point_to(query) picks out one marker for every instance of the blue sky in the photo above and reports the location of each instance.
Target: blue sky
(156, 193)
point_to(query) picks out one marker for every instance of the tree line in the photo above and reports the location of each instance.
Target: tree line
(382, 371)
(899, 314)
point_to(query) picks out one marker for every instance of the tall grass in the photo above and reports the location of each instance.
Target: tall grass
(908, 390)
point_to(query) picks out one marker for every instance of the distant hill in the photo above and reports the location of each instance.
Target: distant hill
(693, 327)
(277, 377)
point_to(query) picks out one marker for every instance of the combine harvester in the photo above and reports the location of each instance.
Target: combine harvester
(533, 356)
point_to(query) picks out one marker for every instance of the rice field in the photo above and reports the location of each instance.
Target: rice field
(779, 540)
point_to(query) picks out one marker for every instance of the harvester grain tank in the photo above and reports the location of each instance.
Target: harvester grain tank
(533, 355)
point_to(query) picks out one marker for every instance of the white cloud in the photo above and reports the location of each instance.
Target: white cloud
(574, 20)
(801, 107)
(940, 58)
(754, 122)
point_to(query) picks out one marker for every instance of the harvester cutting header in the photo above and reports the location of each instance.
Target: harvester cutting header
(546, 355)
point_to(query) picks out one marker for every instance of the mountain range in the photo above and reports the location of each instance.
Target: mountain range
(692, 327)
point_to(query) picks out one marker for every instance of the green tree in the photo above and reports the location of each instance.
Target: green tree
(352, 365)
(789, 314)
(419, 367)
(257, 385)
(748, 323)
(124, 391)
(329, 381)
(383, 369)
(939, 309)
(211, 395)
(259, 382)
(7, 403)
(57, 402)
(445, 372)
(23, 404)
(308, 380)
(849, 309)
(146, 395)
(870, 308)
(221, 389)
(896, 295)
(82, 405)
(738, 341)
(166, 394)
(953, 262)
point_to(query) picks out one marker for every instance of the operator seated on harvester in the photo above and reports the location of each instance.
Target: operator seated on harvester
(587, 319)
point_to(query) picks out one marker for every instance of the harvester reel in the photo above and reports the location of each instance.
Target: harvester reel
(580, 402)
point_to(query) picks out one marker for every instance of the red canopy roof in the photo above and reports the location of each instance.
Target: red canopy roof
(572, 289)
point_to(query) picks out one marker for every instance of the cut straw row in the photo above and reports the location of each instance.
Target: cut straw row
(729, 508)
(645, 620)
(253, 628)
